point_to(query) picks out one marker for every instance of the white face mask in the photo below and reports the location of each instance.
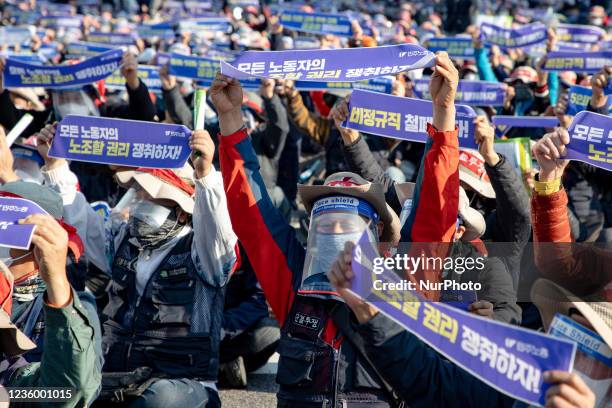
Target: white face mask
(151, 213)
(28, 170)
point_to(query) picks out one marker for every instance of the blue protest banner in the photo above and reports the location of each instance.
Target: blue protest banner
(12, 234)
(121, 142)
(87, 49)
(340, 65)
(218, 53)
(475, 93)
(111, 38)
(150, 31)
(402, 118)
(582, 34)
(198, 7)
(504, 123)
(187, 66)
(380, 84)
(455, 47)
(13, 36)
(588, 62)
(21, 74)
(210, 24)
(28, 57)
(61, 21)
(521, 37)
(606, 45)
(579, 98)
(316, 23)
(148, 74)
(591, 139)
(508, 358)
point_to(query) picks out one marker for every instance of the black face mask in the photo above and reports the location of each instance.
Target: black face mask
(523, 92)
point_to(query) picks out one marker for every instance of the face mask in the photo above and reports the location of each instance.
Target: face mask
(598, 21)
(470, 76)
(146, 228)
(151, 214)
(70, 108)
(329, 246)
(30, 175)
(523, 93)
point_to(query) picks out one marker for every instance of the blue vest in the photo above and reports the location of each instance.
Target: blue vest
(157, 329)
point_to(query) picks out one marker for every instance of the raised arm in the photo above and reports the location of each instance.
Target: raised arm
(175, 103)
(77, 211)
(359, 157)
(582, 269)
(437, 191)
(274, 133)
(512, 221)
(275, 253)
(314, 126)
(140, 106)
(214, 241)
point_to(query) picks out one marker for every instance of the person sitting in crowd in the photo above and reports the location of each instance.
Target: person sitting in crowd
(29, 285)
(510, 223)
(95, 181)
(293, 279)
(69, 357)
(172, 254)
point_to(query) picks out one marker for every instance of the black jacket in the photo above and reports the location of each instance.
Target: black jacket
(422, 377)
(510, 223)
(269, 139)
(177, 107)
(497, 286)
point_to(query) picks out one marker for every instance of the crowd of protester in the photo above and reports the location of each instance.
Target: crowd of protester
(199, 274)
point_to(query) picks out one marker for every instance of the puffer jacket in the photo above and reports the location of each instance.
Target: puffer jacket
(581, 268)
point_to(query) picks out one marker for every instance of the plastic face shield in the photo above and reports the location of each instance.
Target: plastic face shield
(73, 102)
(335, 221)
(137, 203)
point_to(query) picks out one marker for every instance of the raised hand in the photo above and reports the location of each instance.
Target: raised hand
(598, 82)
(549, 152)
(482, 308)
(340, 276)
(561, 111)
(339, 113)
(568, 391)
(129, 70)
(168, 81)
(266, 89)
(484, 136)
(226, 96)
(50, 243)
(443, 87)
(43, 144)
(201, 143)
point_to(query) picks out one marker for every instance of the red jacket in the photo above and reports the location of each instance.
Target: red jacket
(583, 269)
